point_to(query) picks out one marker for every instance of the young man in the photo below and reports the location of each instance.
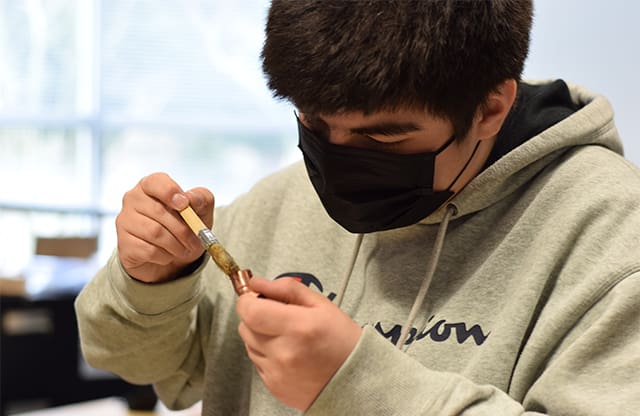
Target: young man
(468, 243)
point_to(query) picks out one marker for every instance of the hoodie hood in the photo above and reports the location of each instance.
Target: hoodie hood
(591, 124)
(546, 121)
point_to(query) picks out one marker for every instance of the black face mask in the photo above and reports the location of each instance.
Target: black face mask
(365, 190)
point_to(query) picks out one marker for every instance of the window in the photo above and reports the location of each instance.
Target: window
(95, 94)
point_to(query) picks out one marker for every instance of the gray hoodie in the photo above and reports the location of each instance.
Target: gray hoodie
(532, 305)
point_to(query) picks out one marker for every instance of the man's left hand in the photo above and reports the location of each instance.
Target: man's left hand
(296, 338)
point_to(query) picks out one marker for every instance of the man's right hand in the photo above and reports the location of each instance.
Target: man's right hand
(154, 243)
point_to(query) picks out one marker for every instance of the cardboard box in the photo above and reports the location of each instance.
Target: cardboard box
(67, 246)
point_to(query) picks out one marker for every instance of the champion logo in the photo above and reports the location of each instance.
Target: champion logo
(435, 330)
(440, 331)
(308, 280)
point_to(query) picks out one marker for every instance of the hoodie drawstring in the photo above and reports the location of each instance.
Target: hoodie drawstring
(347, 275)
(431, 269)
(426, 282)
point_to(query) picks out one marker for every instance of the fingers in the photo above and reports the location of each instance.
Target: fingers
(202, 202)
(252, 341)
(283, 307)
(265, 316)
(164, 189)
(153, 239)
(160, 235)
(149, 219)
(286, 290)
(280, 337)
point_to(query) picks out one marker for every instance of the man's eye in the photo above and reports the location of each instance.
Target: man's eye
(383, 144)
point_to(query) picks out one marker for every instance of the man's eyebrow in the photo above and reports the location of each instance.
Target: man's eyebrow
(382, 128)
(391, 128)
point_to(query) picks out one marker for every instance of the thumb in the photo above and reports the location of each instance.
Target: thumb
(286, 290)
(202, 202)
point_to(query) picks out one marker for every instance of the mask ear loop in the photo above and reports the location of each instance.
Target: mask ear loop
(465, 166)
(445, 145)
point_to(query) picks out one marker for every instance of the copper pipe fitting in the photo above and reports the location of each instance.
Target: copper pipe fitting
(240, 281)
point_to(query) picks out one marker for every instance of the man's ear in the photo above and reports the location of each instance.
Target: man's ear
(494, 110)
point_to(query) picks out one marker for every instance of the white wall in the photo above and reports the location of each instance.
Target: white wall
(595, 43)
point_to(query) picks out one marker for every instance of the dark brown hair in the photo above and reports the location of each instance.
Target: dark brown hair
(446, 56)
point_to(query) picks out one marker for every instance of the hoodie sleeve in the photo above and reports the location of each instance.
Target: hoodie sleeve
(145, 333)
(594, 371)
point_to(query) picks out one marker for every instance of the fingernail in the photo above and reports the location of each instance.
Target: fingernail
(179, 201)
